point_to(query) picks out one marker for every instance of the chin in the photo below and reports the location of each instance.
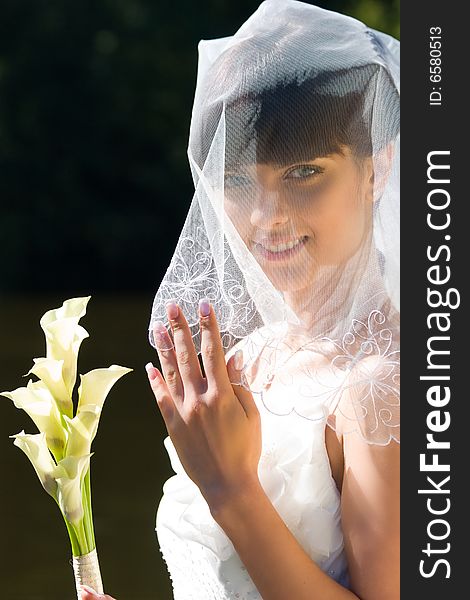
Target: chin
(295, 283)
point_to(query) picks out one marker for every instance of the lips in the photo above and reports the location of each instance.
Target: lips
(280, 250)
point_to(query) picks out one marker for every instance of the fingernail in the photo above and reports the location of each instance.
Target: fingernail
(151, 371)
(172, 310)
(204, 307)
(87, 588)
(161, 337)
(238, 360)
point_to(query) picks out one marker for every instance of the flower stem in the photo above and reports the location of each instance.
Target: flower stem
(77, 535)
(76, 551)
(88, 514)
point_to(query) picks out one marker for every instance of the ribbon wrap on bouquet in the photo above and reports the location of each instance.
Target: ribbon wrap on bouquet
(86, 569)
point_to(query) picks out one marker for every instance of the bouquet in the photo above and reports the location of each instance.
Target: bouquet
(60, 452)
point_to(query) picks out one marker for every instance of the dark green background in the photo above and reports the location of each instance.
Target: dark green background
(95, 105)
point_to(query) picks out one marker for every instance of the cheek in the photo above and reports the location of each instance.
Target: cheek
(239, 217)
(339, 222)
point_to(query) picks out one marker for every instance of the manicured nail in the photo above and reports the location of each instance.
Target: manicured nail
(238, 360)
(204, 307)
(172, 310)
(87, 588)
(151, 371)
(161, 337)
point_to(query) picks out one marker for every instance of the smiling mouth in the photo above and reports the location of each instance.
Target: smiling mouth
(280, 251)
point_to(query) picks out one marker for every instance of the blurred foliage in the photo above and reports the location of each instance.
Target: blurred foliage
(95, 105)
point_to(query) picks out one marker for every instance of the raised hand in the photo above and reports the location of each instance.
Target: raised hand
(214, 424)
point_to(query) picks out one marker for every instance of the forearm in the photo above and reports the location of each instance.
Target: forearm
(278, 565)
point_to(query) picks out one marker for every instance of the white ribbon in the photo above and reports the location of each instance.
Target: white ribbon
(86, 569)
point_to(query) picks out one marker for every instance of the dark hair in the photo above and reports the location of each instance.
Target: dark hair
(298, 121)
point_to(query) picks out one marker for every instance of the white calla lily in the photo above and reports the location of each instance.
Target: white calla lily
(36, 400)
(35, 448)
(50, 372)
(95, 385)
(82, 430)
(49, 404)
(69, 474)
(74, 307)
(64, 336)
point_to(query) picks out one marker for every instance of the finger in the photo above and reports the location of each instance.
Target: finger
(235, 367)
(168, 362)
(212, 352)
(162, 394)
(88, 593)
(188, 363)
(238, 380)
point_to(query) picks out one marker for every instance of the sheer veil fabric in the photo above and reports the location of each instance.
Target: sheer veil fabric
(293, 230)
(293, 235)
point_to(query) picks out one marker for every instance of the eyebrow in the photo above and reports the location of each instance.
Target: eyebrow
(243, 168)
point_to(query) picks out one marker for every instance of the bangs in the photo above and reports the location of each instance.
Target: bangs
(297, 122)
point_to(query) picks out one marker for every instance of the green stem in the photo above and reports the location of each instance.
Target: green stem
(77, 535)
(74, 541)
(88, 514)
(84, 546)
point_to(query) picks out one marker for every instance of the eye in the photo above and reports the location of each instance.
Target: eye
(236, 180)
(302, 172)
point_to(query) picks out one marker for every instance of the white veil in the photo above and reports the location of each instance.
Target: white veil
(293, 230)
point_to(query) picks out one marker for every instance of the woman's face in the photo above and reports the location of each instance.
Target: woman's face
(298, 218)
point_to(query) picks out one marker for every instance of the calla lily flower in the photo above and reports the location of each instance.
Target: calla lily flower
(50, 372)
(82, 430)
(60, 453)
(95, 385)
(69, 475)
(62, 481)
(94, 388)
(64, 336)
(35, 448)
(36, 400)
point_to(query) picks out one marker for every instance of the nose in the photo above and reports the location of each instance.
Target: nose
(269, 210)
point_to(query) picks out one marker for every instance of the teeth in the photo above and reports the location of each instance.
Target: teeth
(283, 247)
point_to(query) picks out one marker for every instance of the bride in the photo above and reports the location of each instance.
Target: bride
(281, 395)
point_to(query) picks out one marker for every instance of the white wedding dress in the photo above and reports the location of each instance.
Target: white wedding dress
(295, 473)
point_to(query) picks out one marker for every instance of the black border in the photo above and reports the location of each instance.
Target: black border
(427, 128)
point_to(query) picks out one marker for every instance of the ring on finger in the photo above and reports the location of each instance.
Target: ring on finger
(161, 337)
